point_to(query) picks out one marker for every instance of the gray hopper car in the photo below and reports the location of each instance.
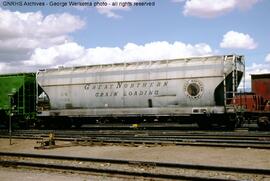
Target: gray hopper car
(201, 88)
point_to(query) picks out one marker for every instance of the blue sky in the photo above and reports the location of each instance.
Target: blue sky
(39, 37)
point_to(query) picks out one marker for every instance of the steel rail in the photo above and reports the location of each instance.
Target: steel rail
(149, 141)
(258, 139)
(214, 132)
(182, 143)
(128, 162)
(159, 164)
(159, 134)
(109, 171)
(149, 132)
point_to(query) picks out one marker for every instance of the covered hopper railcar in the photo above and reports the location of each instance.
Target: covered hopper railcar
(200, 88)
(17, 99)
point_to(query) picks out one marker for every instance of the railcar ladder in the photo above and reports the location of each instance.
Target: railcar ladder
(229, 95)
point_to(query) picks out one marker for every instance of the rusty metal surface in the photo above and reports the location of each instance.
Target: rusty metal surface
(251, 102)
(261, 85)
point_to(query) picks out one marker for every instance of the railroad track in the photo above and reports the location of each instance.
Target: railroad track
(132, 168)
(217, 139)
(238, 134)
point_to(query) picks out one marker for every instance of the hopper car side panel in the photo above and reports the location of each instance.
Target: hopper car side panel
(160, 88)
(162, 93)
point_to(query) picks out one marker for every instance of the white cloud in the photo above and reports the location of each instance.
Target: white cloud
(2, 66)
(34, 24)
(71, 54)
(54, 55)
(267, 58)
(110, 11)
(29, 41)
(237, 40)
(150, 51)
(21, 33)
(14, 68)
(210, 8)
(254, 69)
(258, 68)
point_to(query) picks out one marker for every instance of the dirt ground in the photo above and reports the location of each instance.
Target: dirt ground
(242, 157)
(234, 157)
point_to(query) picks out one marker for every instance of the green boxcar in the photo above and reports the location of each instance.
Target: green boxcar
(18, 96)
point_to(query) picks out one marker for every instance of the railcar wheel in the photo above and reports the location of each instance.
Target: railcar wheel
(102, 120)
(64, 123)
(77, 124)
(231, 125)
(4, 119)
(233, 121)
(204, 124)
(230, 122)
(37, 124)
(263, 123)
